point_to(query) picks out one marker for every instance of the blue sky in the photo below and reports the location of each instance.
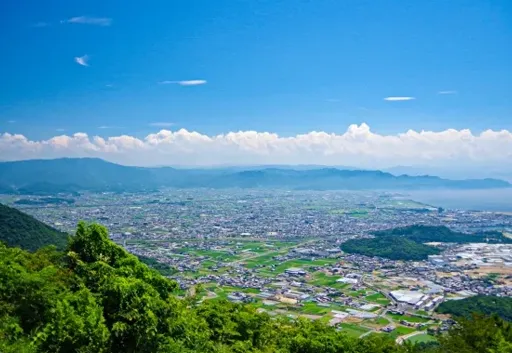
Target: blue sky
(373, 84)
(285, 66)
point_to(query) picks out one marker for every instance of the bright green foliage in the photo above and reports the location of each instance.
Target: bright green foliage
(482, 304)
(76, 321)
(390, 247)
(478, 335)
(20, 229)
(97, 298)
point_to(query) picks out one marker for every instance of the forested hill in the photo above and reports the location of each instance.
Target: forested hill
(442, 234)
(24, 231)
(482, 304)
(91, 174)
(407, 243)
(389, 247)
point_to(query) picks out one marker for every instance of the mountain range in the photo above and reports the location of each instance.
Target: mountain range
(91, 174)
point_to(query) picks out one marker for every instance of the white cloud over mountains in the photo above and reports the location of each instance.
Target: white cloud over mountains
(358, 147)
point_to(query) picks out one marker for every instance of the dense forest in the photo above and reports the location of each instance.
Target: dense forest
(482, 304)
(20, 229)
(425, 234)
(389, 247)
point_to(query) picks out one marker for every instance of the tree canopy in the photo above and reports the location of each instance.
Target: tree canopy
(442, 234)
(481, 304)
(390, 247)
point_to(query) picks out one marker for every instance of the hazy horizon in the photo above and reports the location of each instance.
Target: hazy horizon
(446, 173)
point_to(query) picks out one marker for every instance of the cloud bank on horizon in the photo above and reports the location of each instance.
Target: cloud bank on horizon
(358, 147)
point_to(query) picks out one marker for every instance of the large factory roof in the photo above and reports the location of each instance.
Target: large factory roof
(407, 296)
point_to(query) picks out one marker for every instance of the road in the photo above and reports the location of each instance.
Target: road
(401, 339)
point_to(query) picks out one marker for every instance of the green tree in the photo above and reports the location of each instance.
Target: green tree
(478, 334)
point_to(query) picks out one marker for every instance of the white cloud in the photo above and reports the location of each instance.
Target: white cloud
(109, 127)
(97, 21)
(82, 60)
(447, 92)
(398, 99)
(41, 24)
(162, 124)
(184, 83)
(358, 147)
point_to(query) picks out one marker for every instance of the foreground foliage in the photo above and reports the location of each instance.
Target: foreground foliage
(96, 297)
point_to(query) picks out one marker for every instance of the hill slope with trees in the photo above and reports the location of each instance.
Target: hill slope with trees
(20, 229)
(389, 247)
(442, 234)
(481, 304)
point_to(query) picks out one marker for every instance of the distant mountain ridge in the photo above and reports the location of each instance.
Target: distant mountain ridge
(91, 174)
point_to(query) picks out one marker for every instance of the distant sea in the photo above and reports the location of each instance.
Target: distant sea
(497, 200)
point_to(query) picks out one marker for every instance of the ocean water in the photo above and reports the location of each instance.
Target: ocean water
(483, 200)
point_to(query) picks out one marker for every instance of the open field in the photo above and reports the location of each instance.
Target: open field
(378, 298)
(400, 331)
(408, 318)
(353, 330)
(321, 279)
(422, 338)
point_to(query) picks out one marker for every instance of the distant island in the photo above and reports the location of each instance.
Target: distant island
(72, 175)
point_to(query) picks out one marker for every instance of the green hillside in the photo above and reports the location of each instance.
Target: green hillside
(24, 231)
(482, 304)
(390, 247)
(442, 234)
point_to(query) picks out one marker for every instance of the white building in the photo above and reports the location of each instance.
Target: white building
(407, 296)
